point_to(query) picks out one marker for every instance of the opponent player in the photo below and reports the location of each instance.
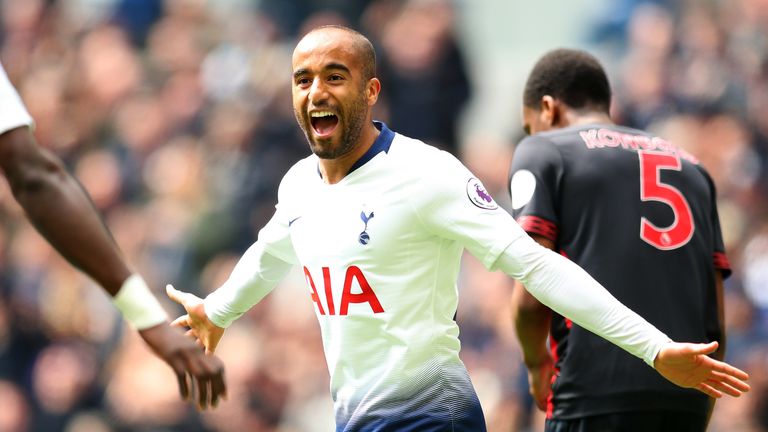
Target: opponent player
(639, 215)
(59, 208)
(378, 222)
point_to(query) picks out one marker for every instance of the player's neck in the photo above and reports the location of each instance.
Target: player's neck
(334, 170)
(583, 118)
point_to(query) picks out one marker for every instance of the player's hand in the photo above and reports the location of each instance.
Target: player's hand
(205, 372)
(201, 329)
(540, 382)
(687, 365)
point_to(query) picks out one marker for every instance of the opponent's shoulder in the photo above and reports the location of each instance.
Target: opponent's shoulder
(541, 138)
(538, 151)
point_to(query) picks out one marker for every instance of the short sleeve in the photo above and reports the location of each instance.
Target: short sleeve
(453, 204)
(719, 258)
(534, 178)
(13, 114)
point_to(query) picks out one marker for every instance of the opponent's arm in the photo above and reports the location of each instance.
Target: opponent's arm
(532, 323)
(720, 353)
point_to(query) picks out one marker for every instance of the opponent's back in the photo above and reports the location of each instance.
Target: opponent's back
(639, 215)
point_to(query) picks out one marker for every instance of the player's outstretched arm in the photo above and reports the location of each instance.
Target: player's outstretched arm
(62, 212)
(205, 333)
(569, 290)
(688, 365)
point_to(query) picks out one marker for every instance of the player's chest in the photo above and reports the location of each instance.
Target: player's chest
(350, 224)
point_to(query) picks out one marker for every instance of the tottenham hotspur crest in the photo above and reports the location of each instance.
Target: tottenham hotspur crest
(364, 237)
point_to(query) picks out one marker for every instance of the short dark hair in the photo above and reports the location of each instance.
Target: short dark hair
(362, 45)
(572, 76)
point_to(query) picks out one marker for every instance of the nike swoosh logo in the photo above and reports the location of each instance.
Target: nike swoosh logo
(290, 222)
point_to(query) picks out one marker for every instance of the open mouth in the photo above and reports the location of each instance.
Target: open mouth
(323, 122)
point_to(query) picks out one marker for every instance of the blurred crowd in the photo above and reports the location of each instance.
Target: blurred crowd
(696, 72)
(176, 117)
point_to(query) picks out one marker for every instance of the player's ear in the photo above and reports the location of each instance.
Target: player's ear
(372, 90)
(549, 111)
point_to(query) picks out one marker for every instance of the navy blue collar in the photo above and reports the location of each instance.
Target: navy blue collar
(382, 144)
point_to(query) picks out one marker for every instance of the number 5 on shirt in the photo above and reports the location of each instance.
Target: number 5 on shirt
(652, 189)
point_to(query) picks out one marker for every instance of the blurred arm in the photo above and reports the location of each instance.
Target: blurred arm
(62, 212)
(58, 207)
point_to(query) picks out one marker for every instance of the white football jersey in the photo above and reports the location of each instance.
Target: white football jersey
(12, 111)
(380, 251)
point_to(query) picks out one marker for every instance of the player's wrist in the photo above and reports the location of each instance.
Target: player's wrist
(138, 305)
(658, 353)
(537, 361)
(216, 313)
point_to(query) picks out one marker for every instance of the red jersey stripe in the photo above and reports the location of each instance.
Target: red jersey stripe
(537, 225)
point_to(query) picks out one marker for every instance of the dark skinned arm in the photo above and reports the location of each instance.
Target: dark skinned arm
(532, 323)
(720, 353)
(59, 208)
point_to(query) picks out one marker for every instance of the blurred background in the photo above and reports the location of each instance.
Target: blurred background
(176, 117)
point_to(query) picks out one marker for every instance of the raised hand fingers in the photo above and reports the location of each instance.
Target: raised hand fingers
(202, 388)
(181, 376)
(207, 376)
(731, 381)
(174, 294)
(183, 298)
(192, 334)
(705, 349)
(218, 387)
(709, 391)
(723, 371)
(182, 321)
(730, 370)
(724, 387)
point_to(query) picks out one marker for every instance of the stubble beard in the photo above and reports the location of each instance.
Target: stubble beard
(350, 135)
